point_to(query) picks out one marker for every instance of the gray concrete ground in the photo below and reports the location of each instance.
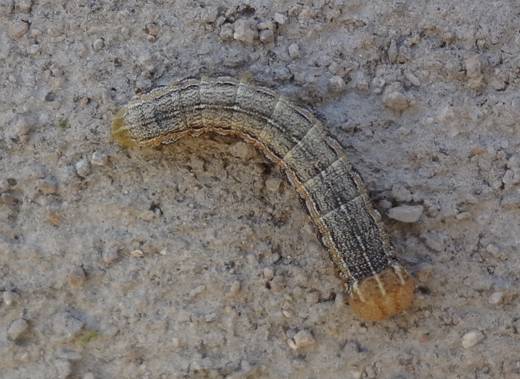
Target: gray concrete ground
(197, 260)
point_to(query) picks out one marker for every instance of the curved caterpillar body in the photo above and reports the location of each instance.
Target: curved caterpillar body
(314, 162)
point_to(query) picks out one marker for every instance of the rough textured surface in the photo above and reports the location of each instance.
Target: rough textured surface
(203, 218)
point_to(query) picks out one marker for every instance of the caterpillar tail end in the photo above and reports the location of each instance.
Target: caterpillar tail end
(384, 295)
(120, 132)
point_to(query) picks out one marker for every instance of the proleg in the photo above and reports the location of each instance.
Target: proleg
(314, 162)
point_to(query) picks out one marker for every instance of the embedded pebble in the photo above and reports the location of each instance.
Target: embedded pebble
(241, 150)
(16, 329)
(10, 297)
(68, 354)
(99, 159)
(496, 298)
(280, 18)
(472, 338)
(137, 253)
(360, 81)
(294, 51)
(22, 130)
(473, 66)
(98, 44)
(511, 199)
(337, 84)
(226, 32)
(273, 184)
(395, 99)
(48, 185)
(266, 36)
(245, 31)
(152, 31)
(424, 272)
(406, 213)
(77, 277)
(17, 29)
(301, 340)
(378, 84)
(414, 80)
(23, 6)
(109, 256)
(401, 194)
(63, 369)
(234, 289)
(82, 168)
(492, 249)
(268, 273)
(66, 325)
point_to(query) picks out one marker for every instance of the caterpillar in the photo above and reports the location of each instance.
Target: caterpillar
(313, 161)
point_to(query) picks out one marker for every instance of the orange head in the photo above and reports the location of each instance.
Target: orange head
(384, 295)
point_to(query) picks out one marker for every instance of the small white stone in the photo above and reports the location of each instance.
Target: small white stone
(23, 6)
(414, 80)
(267, 36)
(378, 84)
(280, 18)
(473, 66)
(82, 168)
(337, 84)
(17, 329)
(48, 185)
(63, 368)
(10, 297)
(496, 298)
(395, 99)
(360, 81)
(268, 273)
(234, 290)
(241, 150)
(492, 249)
(137, 253)
(77, 277)
(110, 256)
(263, 25)
(401, 194)
(472, 338)
(301, 340)
(294, 50)
(17, 29)
(245, 31)
(463, 216)
(273, 184)
(99, 159)
(406, 213)
(226, 32)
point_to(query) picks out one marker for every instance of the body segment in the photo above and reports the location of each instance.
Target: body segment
(313, 161)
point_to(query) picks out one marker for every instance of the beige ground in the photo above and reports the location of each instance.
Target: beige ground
(198, 260)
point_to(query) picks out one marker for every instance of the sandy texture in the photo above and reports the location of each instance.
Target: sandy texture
(197, 260)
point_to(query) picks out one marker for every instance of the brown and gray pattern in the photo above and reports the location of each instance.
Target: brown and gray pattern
(314, 162)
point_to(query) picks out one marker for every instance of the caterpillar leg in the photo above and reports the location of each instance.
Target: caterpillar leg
(383, 295)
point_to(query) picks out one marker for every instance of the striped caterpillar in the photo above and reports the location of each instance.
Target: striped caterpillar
(314, 162)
